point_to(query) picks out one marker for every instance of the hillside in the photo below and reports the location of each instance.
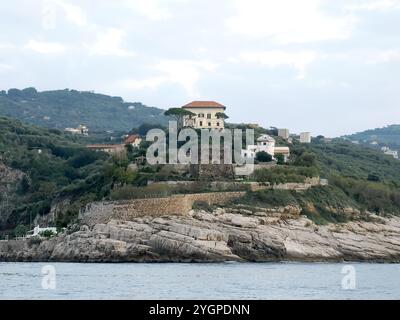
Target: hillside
(389, 136)
(69, 108)
(360, 180)
(45, 173)
(42, 169)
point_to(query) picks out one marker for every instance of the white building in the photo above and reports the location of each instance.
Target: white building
(205, 115)
(267, 144)
(37, 230)
(284, 133)
(285, 151)
(82, 130)
(305, 137)
(392, 153)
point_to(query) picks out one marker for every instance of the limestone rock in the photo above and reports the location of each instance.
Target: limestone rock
(225, 236)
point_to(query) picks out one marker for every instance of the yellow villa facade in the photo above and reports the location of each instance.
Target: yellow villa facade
(206, 115)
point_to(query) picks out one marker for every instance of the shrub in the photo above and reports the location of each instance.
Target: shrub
(263, 156)
(20, 230)
(268, 198)
(47, 234)
(280, 158)
(306, 159)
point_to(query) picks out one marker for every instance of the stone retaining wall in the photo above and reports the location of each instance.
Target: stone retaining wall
(100, 212)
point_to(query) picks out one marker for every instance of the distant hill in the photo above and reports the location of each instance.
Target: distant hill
(389, 136)
(69, 108)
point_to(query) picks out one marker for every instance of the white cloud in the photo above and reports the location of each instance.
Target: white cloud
(375, 5)
(45, 47)
(109, 43)
(73, 13)
(289, 21)
(185, 73)
(155, 10)
(383, 56)
(5, 67)
(298, 60)
(6, 45)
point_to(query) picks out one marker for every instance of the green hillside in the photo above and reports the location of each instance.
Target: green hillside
(359, 177)
(43, 168)
(389, 136)
(69, 108)
(54, 168)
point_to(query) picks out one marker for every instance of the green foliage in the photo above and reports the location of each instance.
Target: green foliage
(178, 114)
(283, 174)
(24, 185)
(376, 197)
(280, 158)
(61, 168)
(20, 230)
(268, 198)
(145, 127)
(373, 177)
(263, 156)
(221, 115)
(47, 234)
(306, 159)
(69, 108)
(389, 136)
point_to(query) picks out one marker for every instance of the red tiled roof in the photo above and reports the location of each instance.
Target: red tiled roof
(203, 104)
(132, 138)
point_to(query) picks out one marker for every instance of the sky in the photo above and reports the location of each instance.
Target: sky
(328, 67)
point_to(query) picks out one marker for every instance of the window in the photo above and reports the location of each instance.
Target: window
(201, 115)
(217, 124)
(201, 123)
(208, 115)
(209, 124)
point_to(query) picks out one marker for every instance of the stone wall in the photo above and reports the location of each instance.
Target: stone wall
(100, 212)
(252, 185)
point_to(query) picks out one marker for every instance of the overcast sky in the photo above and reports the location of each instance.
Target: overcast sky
(329, 67)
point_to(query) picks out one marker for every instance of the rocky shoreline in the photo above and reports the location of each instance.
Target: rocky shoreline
(223, 235)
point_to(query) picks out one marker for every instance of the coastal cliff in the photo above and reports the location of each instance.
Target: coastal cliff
(222, 235)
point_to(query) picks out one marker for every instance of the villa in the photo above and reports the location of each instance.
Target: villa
(207, 115)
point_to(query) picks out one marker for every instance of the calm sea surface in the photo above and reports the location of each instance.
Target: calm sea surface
(199, 281)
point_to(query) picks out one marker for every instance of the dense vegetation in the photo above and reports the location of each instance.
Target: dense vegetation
(359, 178)
(55, 168)
(58, 168)
(389, 136)
(69, 108)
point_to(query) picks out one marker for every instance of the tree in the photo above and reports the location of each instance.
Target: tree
(221, 115)
(280, 158)
(263, 156)
(46, 234)
(306, 159)
(24, 185)
(273, 131)
(373, 177)
(20, 230)
(178, 114)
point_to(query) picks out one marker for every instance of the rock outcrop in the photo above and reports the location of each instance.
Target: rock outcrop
(218, 236)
